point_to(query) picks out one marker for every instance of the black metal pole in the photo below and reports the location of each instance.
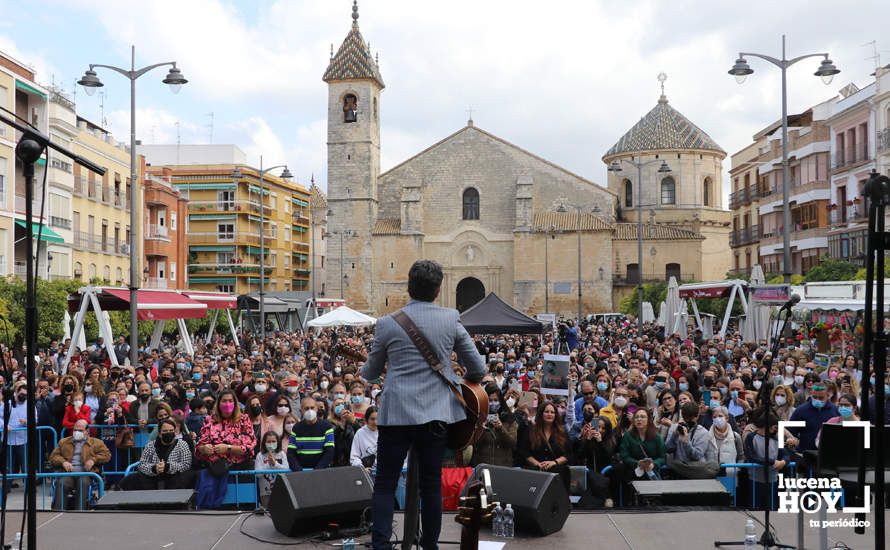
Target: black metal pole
(28, 151)
(867, 343)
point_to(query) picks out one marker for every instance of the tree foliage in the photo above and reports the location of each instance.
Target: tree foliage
(831, 269)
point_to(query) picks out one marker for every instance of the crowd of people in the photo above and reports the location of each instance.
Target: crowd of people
(640, 405)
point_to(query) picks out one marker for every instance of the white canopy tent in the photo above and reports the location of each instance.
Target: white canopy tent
(756, 328)
(672, 309)
(662, 313)
(719, 289)
(648, 313)
(342, 316)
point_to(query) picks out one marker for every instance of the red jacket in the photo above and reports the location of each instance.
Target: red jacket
(71, 417)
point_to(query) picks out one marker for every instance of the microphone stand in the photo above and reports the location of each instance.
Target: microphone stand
(877, 193)
(767, 539)
(29, 149)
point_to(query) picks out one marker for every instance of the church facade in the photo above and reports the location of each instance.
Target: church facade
(497, 217)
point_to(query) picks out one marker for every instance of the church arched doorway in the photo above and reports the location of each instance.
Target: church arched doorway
(469, 292)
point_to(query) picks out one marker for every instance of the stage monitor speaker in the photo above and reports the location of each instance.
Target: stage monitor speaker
(539, 499)
(303, 502)
(169, 499)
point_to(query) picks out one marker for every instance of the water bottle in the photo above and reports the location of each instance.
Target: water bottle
(508, 522)
(497, 523)
(750, 535)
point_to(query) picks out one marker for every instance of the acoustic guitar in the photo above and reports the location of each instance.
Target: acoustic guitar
(475, 401)
(474, 509)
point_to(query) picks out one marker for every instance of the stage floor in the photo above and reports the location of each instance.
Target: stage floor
(646, 530)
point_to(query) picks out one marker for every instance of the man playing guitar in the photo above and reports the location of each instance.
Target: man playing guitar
(416, 404)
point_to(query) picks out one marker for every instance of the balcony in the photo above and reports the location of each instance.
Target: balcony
(300, 217)
(744, 236)
(80, 183)
(61, 223)
(850, 156)
(630, 279)
(156, 232)
(155, 282)
(214, 206)
(233, 237)
(121, 200)
(883, 140)
(227, 269)
(743, 197)
(301, 247)
(853, 213)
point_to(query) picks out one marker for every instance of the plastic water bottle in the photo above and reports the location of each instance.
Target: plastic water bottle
(497, 523)
(750, 535)
(508, 522)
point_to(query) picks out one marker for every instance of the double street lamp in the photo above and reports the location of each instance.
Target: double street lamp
(341, 233)
(286, 175)
(615, 167)
(826, 72)
(90, 81)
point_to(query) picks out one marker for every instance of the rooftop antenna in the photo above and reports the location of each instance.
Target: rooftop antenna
(178, 142)
(875, 56)
(469, 116)
(211, 127)
(102, 109)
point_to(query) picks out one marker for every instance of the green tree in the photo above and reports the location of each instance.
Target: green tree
(654, 293)
(860, 274)
(831, 269)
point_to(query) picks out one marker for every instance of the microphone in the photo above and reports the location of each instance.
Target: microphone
(793, 301)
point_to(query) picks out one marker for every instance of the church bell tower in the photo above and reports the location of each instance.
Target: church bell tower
(354, 86)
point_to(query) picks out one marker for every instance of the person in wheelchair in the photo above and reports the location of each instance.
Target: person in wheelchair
(78, 452)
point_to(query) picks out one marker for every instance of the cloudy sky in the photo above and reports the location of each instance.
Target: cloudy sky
(563, 79)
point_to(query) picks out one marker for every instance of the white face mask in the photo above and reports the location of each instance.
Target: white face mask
(375, 392)
(789, 368)
(260, 388)
(271, 447)
(283, 410)
(78, 404)
(780, 400)
(293, 390)
(511, 402)
(78, 436)
(719, 421)
(310, 415)
(323, 385)
(620, 401)
(757, 384)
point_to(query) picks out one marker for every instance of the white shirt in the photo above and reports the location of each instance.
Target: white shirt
(364, 444)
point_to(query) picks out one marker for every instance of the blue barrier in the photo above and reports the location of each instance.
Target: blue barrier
(43, 432)
(94, 477)
(752, 466)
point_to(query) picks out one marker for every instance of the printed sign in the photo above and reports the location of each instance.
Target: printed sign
(555, 380)
(770, 294)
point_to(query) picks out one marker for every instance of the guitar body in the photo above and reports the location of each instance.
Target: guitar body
(466, 432)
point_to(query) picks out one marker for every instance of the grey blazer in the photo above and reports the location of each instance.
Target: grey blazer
(413, 394)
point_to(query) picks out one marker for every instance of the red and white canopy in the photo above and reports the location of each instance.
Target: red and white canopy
(151, 305)
(719, 289)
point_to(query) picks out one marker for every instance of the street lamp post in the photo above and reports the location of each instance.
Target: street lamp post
(90, 81)
(615, 167)
(285, 174)
(826, 72)
(547, 237)
(562, 208)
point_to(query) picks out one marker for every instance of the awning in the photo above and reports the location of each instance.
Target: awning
(197, 280)
(212, 248)
(27, 88)
(213, 300)
(151, 305)
(299, 202)
(835, 305)
(720, 289)
(272, 304)
(198, 217)
(255, 189)
(255, 250)
(47, 235)
(203, 186)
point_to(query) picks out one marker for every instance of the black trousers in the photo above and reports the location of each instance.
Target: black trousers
(393, 443)
(138, 481)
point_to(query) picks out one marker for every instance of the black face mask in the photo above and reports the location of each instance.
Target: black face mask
(214, 386)
(144, 397)
(588, 416)
(68, 388)
(709, 382)
(167, 438)
(22, 397)
(746, 380)
(256, 410)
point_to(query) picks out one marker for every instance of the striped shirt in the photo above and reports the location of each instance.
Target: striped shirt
(311, 445)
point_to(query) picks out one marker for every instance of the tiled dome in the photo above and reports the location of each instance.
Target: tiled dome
(663, 128)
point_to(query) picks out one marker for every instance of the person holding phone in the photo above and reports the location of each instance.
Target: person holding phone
(642, 450)
(497, 444)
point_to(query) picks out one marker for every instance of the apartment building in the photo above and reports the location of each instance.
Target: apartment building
(744, 202)
(164, 236)
(60, 182)
(227, 205)
(852, 160)
(100, 210)
(20, 94)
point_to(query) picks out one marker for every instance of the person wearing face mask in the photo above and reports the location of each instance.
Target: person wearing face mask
(756, 444)
(312, 443)
(77, 410)
(728, 442)
(165, 463)
(692, 453)
(783, 402)
(345, 424)
(275, 421)
(815, 411)
(17, 419)
(364, 444)
(617, 408)
(67, 386)
(145, 409)
(358, 404)
(497, 444)
(79, 452)
(847, 410)
(270, 457)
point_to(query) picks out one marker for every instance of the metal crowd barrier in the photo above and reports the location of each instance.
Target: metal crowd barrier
(95, 480)
(44, 433)
(120, 458)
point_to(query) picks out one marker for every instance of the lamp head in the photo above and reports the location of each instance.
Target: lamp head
(285, 174)
(664, 168)
(740, 70)
(90, 81)
(175, 80)
(562, 208)
(614, 166)
(826, 71)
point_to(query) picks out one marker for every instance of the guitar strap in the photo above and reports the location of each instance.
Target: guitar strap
(426, 350)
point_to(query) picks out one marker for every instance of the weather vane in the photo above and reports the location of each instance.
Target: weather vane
(662, 76)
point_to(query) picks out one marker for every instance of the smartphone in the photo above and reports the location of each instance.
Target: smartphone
(742, 394)
(491, 419)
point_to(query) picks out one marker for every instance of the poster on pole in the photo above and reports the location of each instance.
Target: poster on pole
(547, 319)
(555, 380)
